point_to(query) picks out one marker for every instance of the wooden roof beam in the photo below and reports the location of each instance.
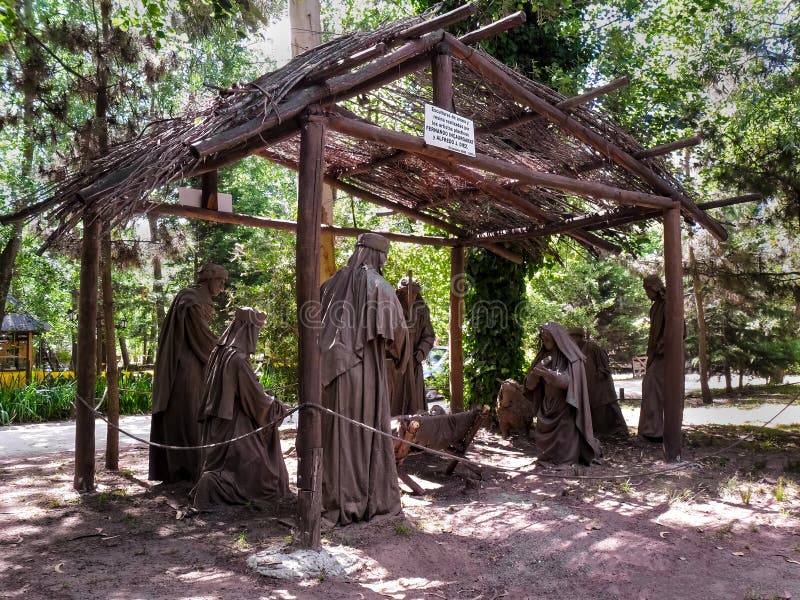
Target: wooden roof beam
(528, 117)
(600, 221)
(394, 206)
(417, 145)
(489, 70)
(215, 216)
(523, 205)
(649, 153)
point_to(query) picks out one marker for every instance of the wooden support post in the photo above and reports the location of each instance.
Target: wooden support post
(208, 199)
(673, 335)
(442, 74)
(307, 266)
(112, 372)
(458, 285)
(87, 351)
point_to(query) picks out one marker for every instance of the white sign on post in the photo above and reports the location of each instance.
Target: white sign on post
(449, 130)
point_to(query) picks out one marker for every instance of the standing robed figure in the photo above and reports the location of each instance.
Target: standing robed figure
(362, 325)
(184, 344)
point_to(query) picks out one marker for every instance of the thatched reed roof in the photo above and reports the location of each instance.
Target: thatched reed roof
(383, 77)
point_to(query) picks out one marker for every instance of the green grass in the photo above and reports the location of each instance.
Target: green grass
(52, 398)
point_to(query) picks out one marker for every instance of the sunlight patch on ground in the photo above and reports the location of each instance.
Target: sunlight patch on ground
(404, 587)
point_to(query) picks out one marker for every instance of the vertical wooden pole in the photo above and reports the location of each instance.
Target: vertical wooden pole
(442, 80)
(309, 430)
(306, 33)
(112, 372)
(457, 288)
(442, 74)
(87, 353)
(208, 195)
(673, 335)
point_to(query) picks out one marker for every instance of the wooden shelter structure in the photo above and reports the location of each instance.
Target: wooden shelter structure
(17, 355)
(349, 113)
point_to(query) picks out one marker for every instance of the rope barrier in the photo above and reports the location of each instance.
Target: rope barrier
(170, 447)
(649, 473)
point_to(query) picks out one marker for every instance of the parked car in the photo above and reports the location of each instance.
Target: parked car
(436, 362)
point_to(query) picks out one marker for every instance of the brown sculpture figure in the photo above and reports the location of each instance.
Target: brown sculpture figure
(607, 419)
(234, 404)
(407, 388)
(362, 325)
(184, 344)
(651, 416)
(556, 384)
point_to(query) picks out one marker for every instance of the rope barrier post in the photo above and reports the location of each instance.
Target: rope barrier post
(309, 430)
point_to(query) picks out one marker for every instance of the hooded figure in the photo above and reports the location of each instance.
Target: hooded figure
(407, 388)
(556, 384)
(362, 325)
(234, 404)
(651, 416)
(184, 344)
(607, 419)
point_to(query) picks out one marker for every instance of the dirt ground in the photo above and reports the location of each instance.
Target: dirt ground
(727, 529)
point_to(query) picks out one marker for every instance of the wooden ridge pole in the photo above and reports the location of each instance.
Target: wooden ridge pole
(492, 73)
(673, 335)
(309, 429)
(649, 153)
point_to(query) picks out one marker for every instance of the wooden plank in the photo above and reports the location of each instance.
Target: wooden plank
(417, 145)
(87, 350)
(673, 336)
(112, 371)
(309, 428)
(489, 70)
(440, 22)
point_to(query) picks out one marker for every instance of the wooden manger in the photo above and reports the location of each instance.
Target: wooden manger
(450, 433)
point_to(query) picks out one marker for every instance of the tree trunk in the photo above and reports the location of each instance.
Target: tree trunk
(112, 372)
(728, 385)
(123, 350)
(8, 256)
(702, 341)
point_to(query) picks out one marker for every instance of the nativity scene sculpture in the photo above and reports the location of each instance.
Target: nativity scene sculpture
(607, 418)
(651, 416)
(234, 404)
(362, 324)
(184, 345)
(407, 387)
(556, 384)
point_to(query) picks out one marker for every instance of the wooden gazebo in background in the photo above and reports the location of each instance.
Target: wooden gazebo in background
(544, 164)
(17, 348)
